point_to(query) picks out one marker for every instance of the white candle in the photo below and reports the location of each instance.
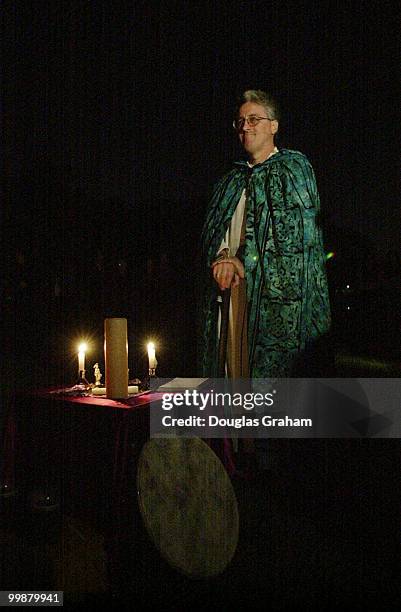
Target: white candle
(152, 356)
(81, 356)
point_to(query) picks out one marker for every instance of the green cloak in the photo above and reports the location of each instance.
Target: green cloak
(288, 306)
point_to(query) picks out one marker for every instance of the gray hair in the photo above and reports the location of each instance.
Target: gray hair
(264, 99)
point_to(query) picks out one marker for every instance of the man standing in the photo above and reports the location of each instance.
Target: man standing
(263, 242)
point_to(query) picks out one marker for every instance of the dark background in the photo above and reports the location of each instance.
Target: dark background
(117, 122)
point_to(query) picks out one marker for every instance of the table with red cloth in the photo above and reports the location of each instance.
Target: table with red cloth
(82, 452)
(85, 431)
(73, 443)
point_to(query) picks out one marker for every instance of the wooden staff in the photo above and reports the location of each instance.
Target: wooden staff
(225, 314)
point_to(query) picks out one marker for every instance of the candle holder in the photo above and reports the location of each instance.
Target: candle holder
(151, 381)
(82, 379)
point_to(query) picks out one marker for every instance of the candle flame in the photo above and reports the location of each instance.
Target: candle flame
(151, 346)
(82, 347)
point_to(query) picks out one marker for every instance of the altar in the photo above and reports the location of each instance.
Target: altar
(83, 454)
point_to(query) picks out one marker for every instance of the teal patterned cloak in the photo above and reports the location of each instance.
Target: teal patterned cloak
(288, 305)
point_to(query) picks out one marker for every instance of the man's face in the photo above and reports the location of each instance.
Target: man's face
(260, 137)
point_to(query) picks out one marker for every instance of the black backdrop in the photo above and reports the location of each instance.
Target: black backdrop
(116, 123)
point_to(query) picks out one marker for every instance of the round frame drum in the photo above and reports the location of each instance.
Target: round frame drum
(188, 505)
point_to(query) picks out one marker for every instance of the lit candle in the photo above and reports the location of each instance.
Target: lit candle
(81, 357)
(152, 356)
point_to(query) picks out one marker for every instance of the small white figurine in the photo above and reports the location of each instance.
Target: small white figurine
(98, 375)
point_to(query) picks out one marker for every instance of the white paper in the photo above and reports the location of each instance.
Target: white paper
(183, 383)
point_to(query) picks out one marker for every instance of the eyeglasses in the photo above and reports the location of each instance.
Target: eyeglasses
(252, 120)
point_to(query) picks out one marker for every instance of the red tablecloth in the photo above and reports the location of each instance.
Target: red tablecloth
(124, 426)
(134, 401)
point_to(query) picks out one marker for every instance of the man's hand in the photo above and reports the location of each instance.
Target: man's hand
(227, 272)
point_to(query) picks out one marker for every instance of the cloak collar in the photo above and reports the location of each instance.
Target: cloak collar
(243, 164)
